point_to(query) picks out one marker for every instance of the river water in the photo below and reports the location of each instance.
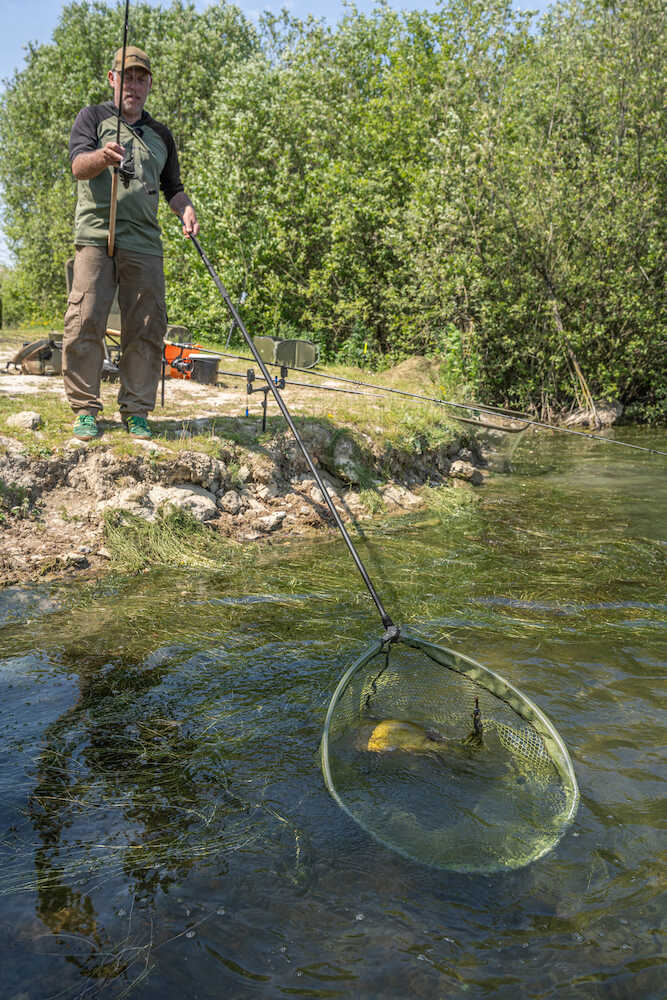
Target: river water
(164, 827)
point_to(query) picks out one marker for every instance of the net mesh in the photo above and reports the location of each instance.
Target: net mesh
(403, 755)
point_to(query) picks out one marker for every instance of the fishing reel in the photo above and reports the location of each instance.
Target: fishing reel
(184, 366)
(126, 170)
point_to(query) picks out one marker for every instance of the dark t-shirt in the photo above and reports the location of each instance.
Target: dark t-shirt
(156, 167)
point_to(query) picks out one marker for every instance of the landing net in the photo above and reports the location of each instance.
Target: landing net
(433, 754)
(440, 759)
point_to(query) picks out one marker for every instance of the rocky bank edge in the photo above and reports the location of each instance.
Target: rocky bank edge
(53, 508)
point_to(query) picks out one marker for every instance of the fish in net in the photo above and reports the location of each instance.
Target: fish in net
(445, 762)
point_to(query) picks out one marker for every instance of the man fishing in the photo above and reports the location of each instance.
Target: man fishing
(118, 244)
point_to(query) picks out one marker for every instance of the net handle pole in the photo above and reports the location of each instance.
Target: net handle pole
(386, 620)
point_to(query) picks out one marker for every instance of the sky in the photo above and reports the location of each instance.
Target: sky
(34, 20)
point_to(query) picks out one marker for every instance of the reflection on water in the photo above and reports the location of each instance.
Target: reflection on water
(165, 829)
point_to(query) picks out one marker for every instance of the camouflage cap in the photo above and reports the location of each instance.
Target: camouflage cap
(133, 57)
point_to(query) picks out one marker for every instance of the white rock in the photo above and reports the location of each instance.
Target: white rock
(194, 499)
(347, 461)
(607, 412)
(231, 502)
(10, 444)
(399, 496)
(28, 420)
(353, 503)
(272, 521)
(251, 504)
(148, 445)
(127, 499)
(467, 472)
(73, 559)
(264, 492)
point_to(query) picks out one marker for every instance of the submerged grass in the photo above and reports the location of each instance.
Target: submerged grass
(174, 538)
(372, 500)
(448, 501)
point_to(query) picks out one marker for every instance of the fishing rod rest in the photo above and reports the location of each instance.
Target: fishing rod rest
(266, 389)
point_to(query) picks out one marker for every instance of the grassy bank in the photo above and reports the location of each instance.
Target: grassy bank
(203, 418)
(67, 505)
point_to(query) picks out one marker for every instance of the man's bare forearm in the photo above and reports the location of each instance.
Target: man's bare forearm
(179, 203)
(85, 166)
(184, 209)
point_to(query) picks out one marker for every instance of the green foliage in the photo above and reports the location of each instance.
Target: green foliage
(453, 183)
(14, 500)
(359, 349)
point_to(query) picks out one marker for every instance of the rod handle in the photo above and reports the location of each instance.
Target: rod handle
(111, 241)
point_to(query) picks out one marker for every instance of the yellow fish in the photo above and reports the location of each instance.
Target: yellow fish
(392, 734)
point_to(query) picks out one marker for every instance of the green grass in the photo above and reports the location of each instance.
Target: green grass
(14, 501)
(174, 538)
(372, 500)
(448, 501)
(57, 421)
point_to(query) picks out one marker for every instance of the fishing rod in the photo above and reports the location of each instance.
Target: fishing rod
(391, 630)
(473, 407)
(124, 167)
(489, 411)
(300, 385)
(496, 411)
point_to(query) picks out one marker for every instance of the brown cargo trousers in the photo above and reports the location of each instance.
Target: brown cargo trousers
(140, 281)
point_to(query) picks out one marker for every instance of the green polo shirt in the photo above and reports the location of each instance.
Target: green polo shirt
(156, 168)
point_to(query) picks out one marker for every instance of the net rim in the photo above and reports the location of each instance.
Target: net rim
(498, 686)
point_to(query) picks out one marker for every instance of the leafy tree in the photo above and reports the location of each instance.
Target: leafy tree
(539, 219)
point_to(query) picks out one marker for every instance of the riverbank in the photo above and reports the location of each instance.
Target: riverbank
(210, 472)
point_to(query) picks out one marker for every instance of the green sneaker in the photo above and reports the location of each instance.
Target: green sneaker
(85, 427)
(138, 427)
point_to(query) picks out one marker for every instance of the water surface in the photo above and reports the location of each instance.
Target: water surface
(165, 831)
